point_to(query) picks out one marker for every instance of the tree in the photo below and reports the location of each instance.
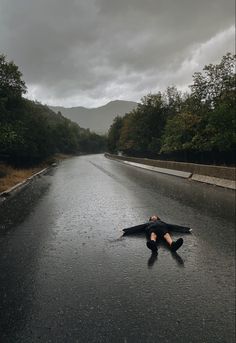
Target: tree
(172, 101)
(179, 133)
(152, 116)
(114, 135)
(199, 126)
(217, 81)
(128, 140)
(220, 127)
(11, 83)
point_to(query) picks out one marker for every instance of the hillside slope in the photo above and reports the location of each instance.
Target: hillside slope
(96, 119)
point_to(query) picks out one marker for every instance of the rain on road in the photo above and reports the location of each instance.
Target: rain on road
(67, 275)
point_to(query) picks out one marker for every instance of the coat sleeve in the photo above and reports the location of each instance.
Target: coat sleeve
(178, 228)
(135, 229)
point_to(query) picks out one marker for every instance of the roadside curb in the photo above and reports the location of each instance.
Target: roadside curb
(15, 189)
(185, 175)
(220, 182)
(230, 184)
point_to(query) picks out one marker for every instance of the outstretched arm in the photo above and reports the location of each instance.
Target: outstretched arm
(135, 229)
(178, 228)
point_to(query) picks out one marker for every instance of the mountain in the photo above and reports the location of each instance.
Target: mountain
(96, 119)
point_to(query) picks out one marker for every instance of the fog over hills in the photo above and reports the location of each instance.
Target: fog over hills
(96, 119)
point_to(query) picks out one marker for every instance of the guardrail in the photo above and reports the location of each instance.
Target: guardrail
(214, 175)
(201, 169)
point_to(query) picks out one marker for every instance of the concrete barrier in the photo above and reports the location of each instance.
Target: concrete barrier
(214, 181)
(215, 175)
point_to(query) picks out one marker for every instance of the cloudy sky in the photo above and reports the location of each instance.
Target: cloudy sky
(88, 52)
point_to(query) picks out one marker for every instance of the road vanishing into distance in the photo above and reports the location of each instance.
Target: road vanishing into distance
(68, 275)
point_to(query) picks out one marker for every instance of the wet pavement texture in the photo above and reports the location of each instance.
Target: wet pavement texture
(67, 274)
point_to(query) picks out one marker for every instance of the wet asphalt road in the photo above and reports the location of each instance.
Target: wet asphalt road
(67, 275)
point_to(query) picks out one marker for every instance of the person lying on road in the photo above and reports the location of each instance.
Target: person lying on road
(158, 229)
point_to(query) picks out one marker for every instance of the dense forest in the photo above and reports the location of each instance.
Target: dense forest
(31, 132)
(196, 126)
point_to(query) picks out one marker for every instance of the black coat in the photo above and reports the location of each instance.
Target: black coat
(145, 227)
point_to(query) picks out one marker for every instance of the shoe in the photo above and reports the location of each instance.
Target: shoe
(152, 246)
(152, 259)
(176, 245)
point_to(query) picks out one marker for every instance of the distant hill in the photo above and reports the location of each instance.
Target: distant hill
(96, 119)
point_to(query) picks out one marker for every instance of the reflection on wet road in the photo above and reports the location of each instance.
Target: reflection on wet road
(67, 275)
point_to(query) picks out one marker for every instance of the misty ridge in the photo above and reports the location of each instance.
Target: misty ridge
(96, 119)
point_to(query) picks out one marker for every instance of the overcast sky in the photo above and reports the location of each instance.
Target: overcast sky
(88, 52)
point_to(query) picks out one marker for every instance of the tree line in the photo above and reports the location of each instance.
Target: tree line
(31, 132)
(196, 126)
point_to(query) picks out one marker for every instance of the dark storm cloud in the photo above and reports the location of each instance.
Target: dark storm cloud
(87, 52)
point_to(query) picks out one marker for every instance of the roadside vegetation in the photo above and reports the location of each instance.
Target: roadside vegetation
(10, 176)
(198, 126)
(31, 134)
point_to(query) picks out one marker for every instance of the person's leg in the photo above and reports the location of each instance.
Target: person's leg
(174, 246)
(152, 243)
(168, 238)
(153, 236)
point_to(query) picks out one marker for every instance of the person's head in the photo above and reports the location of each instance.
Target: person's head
(154, 218)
